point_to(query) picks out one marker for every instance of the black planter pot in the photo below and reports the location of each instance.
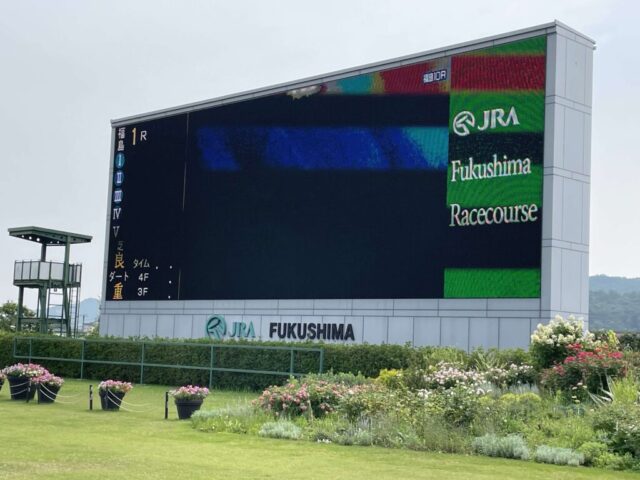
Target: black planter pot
(111, 400)
(20, 389)
(47, 393)
(1, 384)
(187, 407)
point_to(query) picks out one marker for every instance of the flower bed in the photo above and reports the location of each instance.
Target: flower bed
(488, 405)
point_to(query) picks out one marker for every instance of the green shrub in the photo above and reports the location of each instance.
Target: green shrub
(436, 355)
(453, 393)
(345, 378)
(557, 425)
(629, 341)
(510, 376)
(234, 419)
(619, 425)
(438, 435)
(512, 446)
(592, 451)
(391, 431)
(365, 400)
(624, 390)
(458, 405)
(281, 429)
(326, 428)
(391, 378)
(483, 360)
(558, 456)
(524, 405)
(614, 461)
(354, 436)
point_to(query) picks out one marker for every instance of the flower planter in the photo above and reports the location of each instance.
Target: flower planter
(47, 393)
(187, 407)
(20, 390)
(111, 400)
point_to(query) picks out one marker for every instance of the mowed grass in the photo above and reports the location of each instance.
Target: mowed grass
(69, 441)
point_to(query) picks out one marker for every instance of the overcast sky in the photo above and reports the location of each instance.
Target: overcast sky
(68, 67)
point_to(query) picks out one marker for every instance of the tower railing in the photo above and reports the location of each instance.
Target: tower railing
(28, 271)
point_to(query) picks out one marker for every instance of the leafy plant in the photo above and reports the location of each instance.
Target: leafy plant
(392, 378)
(281, 429)
(438, 435)
(347, 378)
(558, 456)
(364, 400)
(619, 425)
(458, 405)
(512, 446)
(510, 376)
(621, 390)
(241, 418)
(598, 455)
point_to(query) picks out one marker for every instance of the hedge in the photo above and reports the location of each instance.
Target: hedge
(365, 359)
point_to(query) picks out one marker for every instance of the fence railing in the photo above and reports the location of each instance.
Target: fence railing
(19, 353)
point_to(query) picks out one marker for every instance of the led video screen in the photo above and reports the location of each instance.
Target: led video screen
(418, 181)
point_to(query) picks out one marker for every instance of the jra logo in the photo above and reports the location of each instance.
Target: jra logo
(464, 121)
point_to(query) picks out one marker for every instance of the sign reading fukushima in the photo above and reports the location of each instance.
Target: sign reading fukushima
(417, 181)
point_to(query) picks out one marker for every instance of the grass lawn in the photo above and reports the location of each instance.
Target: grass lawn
(69, 441)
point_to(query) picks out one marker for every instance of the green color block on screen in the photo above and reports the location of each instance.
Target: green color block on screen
(492, 283)
(529, 106)
(497, 191)
(530, 46)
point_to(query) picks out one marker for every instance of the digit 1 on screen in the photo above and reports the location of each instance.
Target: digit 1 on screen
(135, 138)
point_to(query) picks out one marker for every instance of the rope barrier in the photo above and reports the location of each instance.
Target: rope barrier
(20, 392)
(42, 385)
(136, 405)
(55, 398)
(118, 401)
(20, 384)
(49, 394)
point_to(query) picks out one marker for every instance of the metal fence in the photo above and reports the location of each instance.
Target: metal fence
(19, 353)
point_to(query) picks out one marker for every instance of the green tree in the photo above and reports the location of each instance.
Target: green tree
(9, 315)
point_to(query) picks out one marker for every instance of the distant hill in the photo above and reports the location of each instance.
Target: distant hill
(614, 303)
(615, 284)
(89, 308)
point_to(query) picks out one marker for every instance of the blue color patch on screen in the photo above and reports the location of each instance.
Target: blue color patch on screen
(323, 148)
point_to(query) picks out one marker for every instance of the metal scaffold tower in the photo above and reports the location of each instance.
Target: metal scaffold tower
(58, 283)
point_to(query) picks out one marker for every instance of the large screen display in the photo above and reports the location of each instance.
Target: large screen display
(420, 181)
